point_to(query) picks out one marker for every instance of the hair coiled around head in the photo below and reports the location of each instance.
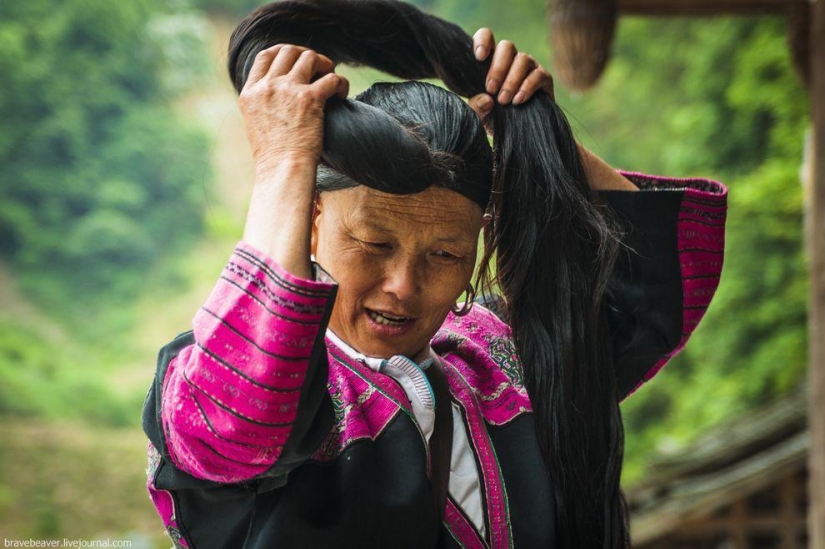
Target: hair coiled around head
(553, 246)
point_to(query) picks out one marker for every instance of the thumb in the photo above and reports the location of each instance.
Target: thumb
(482, 104)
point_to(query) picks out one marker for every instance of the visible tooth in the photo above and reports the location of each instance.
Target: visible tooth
(385, 319)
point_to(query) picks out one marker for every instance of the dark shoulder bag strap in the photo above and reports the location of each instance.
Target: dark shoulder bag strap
(441, 441)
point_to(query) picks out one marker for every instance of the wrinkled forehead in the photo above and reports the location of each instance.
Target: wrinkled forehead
(436, 209)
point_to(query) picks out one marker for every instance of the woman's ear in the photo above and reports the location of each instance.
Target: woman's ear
(316, 211)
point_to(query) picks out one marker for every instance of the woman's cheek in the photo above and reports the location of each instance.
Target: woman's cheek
(446, 291)
(454, 278)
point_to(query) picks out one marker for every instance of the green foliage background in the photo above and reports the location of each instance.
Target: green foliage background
(112, 225)
(97, 176)
(100, 181)
(716, 99)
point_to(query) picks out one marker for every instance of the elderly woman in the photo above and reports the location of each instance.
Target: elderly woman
(347, 400)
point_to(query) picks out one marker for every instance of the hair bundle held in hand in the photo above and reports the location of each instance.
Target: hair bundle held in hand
(554, 247)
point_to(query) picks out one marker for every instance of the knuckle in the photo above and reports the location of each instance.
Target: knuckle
(311, 97)
(305, 95)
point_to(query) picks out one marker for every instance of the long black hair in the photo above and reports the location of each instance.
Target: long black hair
(553, 246)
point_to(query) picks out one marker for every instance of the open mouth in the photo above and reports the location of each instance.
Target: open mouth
(387, 319)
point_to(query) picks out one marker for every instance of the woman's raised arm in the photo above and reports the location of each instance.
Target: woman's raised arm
(244, 394)
(283, 108)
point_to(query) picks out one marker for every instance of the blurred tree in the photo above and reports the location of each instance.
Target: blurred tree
(99, 177)
(233, 8)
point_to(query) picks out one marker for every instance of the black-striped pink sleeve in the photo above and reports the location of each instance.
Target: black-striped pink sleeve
(231, 398)
(667, 274)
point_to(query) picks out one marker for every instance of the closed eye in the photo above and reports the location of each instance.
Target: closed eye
(377, 245)
(443, 254)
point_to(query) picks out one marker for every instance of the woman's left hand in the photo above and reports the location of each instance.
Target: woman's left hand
(513, 76)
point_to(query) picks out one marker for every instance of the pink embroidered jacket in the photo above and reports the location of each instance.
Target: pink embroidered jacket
(264, 433)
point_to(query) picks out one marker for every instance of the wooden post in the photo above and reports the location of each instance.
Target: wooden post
(788, 530)
(816, 248)
(738, 526)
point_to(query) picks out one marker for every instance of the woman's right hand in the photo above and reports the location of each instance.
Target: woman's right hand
(282, 104)
(283, 108)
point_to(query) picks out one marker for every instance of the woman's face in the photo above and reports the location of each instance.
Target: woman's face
(401, 262)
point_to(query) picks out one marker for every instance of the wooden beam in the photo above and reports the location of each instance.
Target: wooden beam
(672, 8)
(816, 318)
(766, 524)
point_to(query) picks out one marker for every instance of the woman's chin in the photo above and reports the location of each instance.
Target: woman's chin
(380, 339)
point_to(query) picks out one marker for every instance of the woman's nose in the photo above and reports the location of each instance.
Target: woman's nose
(402, 278)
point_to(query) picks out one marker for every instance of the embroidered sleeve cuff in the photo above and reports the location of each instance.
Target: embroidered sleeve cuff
(672, 224)
(320, 279)
(693, 186)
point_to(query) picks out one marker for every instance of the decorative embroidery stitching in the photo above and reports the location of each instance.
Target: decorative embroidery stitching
(503, 353)
(154, 462)
(177, 538)
(352, 416)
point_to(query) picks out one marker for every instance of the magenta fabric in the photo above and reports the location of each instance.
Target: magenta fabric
(380, 399)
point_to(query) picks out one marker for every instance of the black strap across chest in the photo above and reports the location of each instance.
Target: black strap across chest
(441, 441)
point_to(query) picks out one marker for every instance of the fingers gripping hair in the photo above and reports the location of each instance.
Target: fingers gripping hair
(390, 36)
